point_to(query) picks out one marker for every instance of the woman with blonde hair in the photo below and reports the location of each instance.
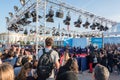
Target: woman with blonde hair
(6, 72)
(24, 72)
(65, 57)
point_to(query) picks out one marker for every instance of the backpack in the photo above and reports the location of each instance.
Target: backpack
(45, 65)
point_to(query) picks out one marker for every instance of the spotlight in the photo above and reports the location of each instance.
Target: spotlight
(22, 2)
(62, 34)
(11, 14)
(47, 32)
(101, 27)
(67, 20)
(15, 8)
(59, 13)
(27, 15)
(49, 19)
(33, 13)
(13, 27)
(9, 28)
(86, 24)
(66, 34)
(41, 33)
(50, 15)
(57, 33)
(93, 26)
(7, 19)
(105, 28)
(22, 21)
(78, 22)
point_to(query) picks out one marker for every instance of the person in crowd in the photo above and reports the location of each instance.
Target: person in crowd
(21, 61)
(30, 58)
(5, 54)
(0, 57)
(33, 71)
(24, 73)
(71, 66)
(22, 51)
(104, 59)
(101, 72)
(6, 72)
(110, 61)
(90, 62)
(11, 59)
(54, 55)
(95, 60)
(68, 75)
(65, 57)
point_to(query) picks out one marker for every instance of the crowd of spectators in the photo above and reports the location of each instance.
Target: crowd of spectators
(21, 62)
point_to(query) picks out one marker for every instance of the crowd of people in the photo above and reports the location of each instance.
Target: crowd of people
(18, 63)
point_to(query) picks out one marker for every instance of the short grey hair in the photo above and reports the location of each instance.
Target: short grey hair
(101, 72)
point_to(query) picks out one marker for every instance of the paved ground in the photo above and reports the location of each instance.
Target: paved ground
(89, 76)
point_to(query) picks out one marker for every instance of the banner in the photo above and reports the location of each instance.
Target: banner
(97, 42)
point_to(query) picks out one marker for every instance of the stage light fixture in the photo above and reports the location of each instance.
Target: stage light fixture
(41, 32)
(62, 34)
(67, 20)
(27, 15)
(50, 15)
(11, 14)
(86, 24)
(57, 33)
(101, 27)
(22, 2)
(7, 19)
(15, 8)
(105, 28)
(93, 26)
(78, 22)
(50, 19)
(59, 13)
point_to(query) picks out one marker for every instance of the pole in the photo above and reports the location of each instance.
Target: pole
(44, 22)
(102, 40)
(37, 26)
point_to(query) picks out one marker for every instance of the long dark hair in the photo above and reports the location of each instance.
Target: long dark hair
(72, 65)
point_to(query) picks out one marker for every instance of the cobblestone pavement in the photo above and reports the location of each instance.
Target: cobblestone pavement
(89, 76)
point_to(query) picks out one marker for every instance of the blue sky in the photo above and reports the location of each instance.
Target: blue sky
(106, 8)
